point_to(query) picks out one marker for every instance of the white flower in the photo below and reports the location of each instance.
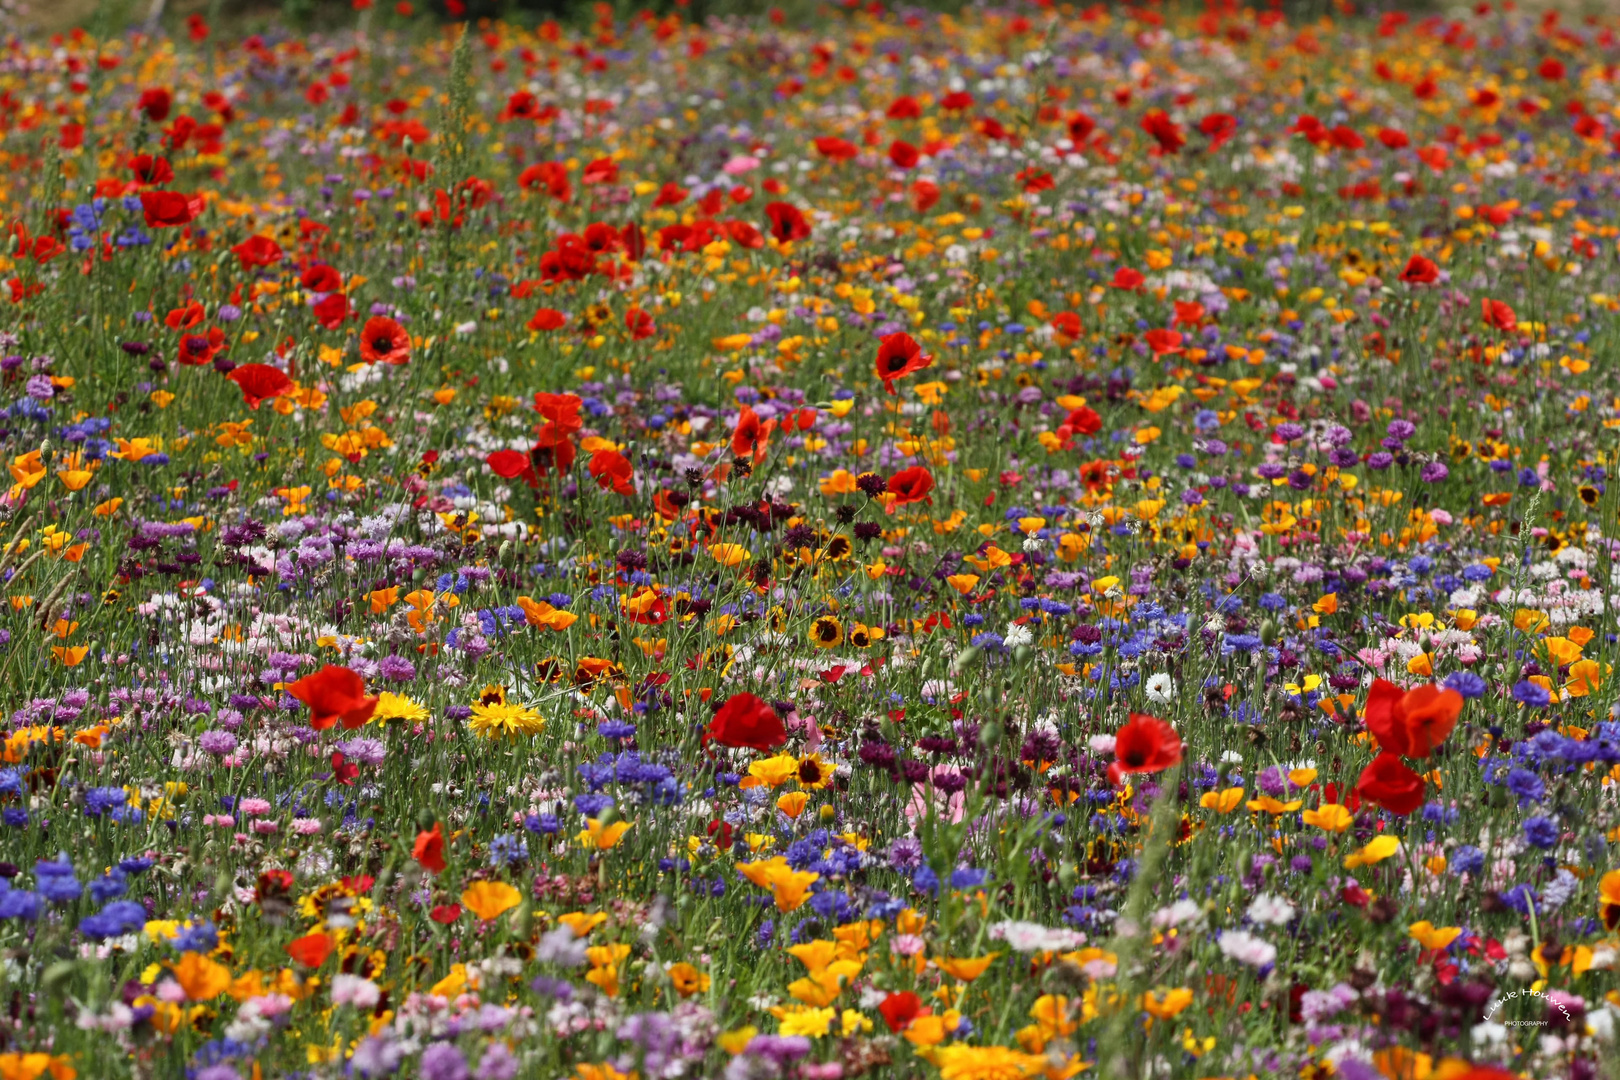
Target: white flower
(1033, 937)
(1246, 948)
(1231, 757)
(1268, 909)
(1178, 913)
(363, 994)
(1161, 689)
(1101, 744)
(1017, 635)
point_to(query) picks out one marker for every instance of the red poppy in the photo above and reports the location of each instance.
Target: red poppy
(1390, 784)
(547, 319)
(320, 278)
(332, 694)
(1080, 128)
(511, 464)
(259, 383)
(429, 849)
(910, 486)
(1220, 127)
(1144, 745)
(601, 171)
(1551, 69)
(1188, 313)
(522, 105)
(1081, 421)
(899, 355)
(671, 194)
(611, 469)
(1165, 131)
(257, 251)
(899, 1010)
(1393, 138)
(1067, 323)
(150, 169)
(184, 318)
(445, 914)
(1163, 342)
(787, 222)
(1420, 271)
(342, 771)
(752, 436)
(639, 323)
(924, 194)
(384, 340)
(904, 108)
(169, 209)
(331, 310)
(837, 149)
(155, 103)
(1413, 722)
(956, 101)
(1498, 316)
(311, 950)
(1346, 137)
(903, 155)
(1127, 279)
(746, 721)
(198, 349)
(744, 235)
(550, 175)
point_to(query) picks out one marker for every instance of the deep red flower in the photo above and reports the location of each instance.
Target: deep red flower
(1220, 127)
(899, 1010)
(342, 771)
(903, 155)
(198, 349)
(904, 108)
(1127, 279)
(151, 169)
(956, 101)
(746, 721)
(257, 251)
(910, 486)
(1163, 342)
(429, 849)
(311, 950)
(511, 464)
(601, 171)
(1497, 315)
(320, 278)
(1165, 131)
(787, 222)
(383, 339)
(837, 149)
(1144, 745)
(1420, 271)
(445, 913)
(1080, 128)
(744, 235)
(1389, 783)
(611, 469)
(547, 319)
(155, 102)
(752, 436)
(924, 194)
(1393, 138)
(899, 355)
(331, 310)
(169, 209)
(640, 323)
(1081, 421)
(332, 694)
(1412, 723)
(550, 175)
(259, 383)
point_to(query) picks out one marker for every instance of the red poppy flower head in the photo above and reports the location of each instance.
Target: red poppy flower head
(910, 486)
(1145, 744)
(156, 102)
(899, 355)
(511, 464)
(745, 721)
(1220, 127)
(1389, 783)
(1412, 723)
(1497, 315)
(382, 339)
(787, 222)
(1420, 271)
(1127, 279)
(547, 319)
(311, 950)
(257, 251)
(902, 155)
(900, 1009)
(429, 849)
(259, 383)
(169, 209)
(1164, 131)
(332, 694)
(151, 169)
(904, 108)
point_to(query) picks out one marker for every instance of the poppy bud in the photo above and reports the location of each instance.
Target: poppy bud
(1268, 632)
(964, 658)
(503, 554)
(523, 920)
(1067, 874)
(990, 734)
(1022, 654)
(989, 695)
(608, 816)
(425, 820)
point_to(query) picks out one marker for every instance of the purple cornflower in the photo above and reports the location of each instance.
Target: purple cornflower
(218, 743)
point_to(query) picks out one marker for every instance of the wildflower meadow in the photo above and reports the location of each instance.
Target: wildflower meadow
(1035, 541)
